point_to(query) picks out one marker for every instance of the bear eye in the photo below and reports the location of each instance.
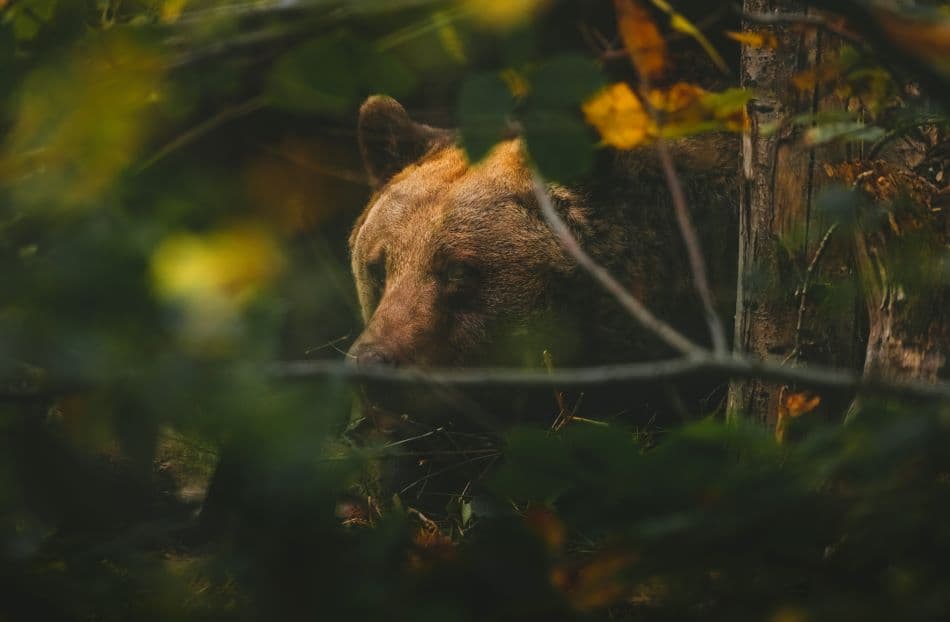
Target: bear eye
(376, 270)
(459, 278)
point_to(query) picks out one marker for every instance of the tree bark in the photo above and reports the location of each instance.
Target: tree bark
(778, 230)
(901, 244)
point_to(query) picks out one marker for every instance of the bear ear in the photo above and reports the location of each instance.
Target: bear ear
(390, 140)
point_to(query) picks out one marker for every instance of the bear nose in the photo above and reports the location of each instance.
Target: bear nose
(374, 357)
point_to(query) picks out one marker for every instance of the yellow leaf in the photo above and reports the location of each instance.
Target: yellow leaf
(642, 38)
(502, 14)
(516, 83)
(171, 10)
(683, 109)
(449, 36)
(79, 121)
(678, 97)
(758, 39)
(214, 276)
(619, 116)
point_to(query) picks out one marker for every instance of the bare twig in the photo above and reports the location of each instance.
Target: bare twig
(228, 114)
(630, 303)
(736, 366)
(803, 292)
(816, 376)
(694, 251)
(697, 264)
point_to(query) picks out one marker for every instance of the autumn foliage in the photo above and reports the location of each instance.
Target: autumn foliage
(177, 181)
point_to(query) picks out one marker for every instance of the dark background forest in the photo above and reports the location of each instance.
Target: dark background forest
(179, 435)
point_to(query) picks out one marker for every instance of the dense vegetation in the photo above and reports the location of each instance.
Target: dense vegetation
(177, 182)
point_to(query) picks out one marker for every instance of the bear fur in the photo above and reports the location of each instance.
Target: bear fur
(455, 266)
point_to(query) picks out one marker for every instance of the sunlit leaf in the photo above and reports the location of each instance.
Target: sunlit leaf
(517, 83)
(79, 122)
(619, 116)
(502, 14)
(449, 36)
(683, 109)
(212, 277)
(729, 108)
(642, 38)
(171, 10)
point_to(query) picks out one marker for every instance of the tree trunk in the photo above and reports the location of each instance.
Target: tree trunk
(885, 275)
(901, 257)
(779, 233)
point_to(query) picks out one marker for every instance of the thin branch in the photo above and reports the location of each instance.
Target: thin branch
(697, 264)
(228, 114)
(630, 303)
(736, 366)
(803, 292)
(815, 376)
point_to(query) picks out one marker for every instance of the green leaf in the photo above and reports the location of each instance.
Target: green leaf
(848, 131)
(330, 75)
(484, 107)
(566, 81)
(315, 77)
(559, 143)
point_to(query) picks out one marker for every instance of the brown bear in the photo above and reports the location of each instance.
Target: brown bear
(455, 265)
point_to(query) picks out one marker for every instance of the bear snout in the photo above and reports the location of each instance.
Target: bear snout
(371, 355)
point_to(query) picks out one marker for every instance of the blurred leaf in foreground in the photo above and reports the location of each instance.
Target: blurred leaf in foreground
(214, 276)
(330, 74)
(79, 122)
(684, 109)
(619, 116)
(502, 14)
(642, 38)
(484, 107)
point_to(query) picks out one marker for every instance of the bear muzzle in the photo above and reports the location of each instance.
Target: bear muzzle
(370, 355)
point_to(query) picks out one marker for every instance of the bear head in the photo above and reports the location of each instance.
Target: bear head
(453, 262)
